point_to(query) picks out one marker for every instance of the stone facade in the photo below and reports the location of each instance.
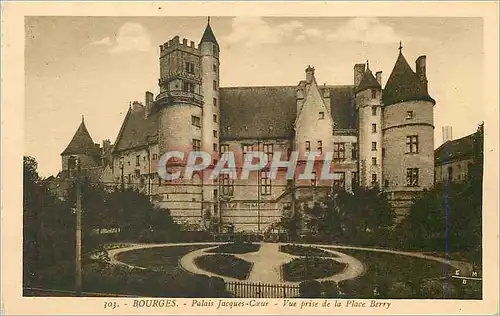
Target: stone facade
(365, 126)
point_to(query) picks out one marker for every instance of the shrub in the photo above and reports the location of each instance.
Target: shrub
(223, 264)
(301, 269)
(310, 289)
(330, 289)
(400, 290)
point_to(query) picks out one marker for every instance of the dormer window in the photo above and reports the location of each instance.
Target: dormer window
(409, 115)
(321, 115)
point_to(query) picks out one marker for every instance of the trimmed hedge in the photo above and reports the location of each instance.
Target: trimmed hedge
(309, 268)
(237, 248)
(307, 251)
(224, 264)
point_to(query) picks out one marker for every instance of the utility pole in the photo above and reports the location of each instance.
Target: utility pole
(78, 257)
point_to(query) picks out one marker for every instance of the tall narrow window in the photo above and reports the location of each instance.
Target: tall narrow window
(374, 128)
(188, 87)
(215, 102)
(354, 151)
(196, 144)
(227, 185)
(374, 161)
(314, 179)
(265, 183)
(412, 144)
(374, 146)
(320, 146)
(374, 93)
(268, 150)
(190, 67)
(321, 115)
(338, 181)
(137, 160)
(308, 146)
(450, 173)
(214, 118)
(215, 133)
(215, 68)
(247, 148)
(374, 179)
(354, 179)
(374, 110)
(214, 147)
(412, 177)
(215, 85)
(339, 151)
(224, 148)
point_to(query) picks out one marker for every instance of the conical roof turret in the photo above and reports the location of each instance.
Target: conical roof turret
(208, 35)
(81, 143)
(404, 84)
(368, 81)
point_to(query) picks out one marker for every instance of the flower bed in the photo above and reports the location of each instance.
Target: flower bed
(224, 264)
(306, 251)
(237, 247)
(310, 268)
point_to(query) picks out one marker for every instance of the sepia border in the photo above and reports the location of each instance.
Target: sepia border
(13, 139)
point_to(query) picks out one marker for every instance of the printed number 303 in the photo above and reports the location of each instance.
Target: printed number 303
(111, 305)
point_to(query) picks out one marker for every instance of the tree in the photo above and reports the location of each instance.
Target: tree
(48, 237)
(291, 223)
(363, 216)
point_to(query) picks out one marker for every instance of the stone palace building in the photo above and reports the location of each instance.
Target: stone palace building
(379, 137)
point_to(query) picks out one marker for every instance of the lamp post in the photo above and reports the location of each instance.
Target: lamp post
(78, 236)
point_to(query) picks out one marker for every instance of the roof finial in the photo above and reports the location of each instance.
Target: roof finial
(367, 65)
(400, 46)
(83, 119)
(208, 20)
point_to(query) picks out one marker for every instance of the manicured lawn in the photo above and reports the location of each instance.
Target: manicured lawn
(158, 258)
(310, 268)
(398, 276)
(306, 251)
(224, 264)
(238, 248)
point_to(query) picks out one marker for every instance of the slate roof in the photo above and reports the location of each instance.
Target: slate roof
(368, 81)
(208, 35)
(404, 85)
(81, 143)
(462, 148)
(136, 131)
(270, 112)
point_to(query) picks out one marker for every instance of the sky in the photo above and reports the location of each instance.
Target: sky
(95, 66)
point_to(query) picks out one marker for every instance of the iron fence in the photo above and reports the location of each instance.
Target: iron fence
(262, 290)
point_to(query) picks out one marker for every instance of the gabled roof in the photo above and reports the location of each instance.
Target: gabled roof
(136, 130)
(208, 35)
(368, 81)
(81, 143)
(404, 85)
(269, 112)
(462, 148)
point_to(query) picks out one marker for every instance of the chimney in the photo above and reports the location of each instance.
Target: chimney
(326, 94)
(378, 75)
(106, 144)
(447, 134)
(359, 70)
(149, 103)
(309, 74)
(420, 67)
